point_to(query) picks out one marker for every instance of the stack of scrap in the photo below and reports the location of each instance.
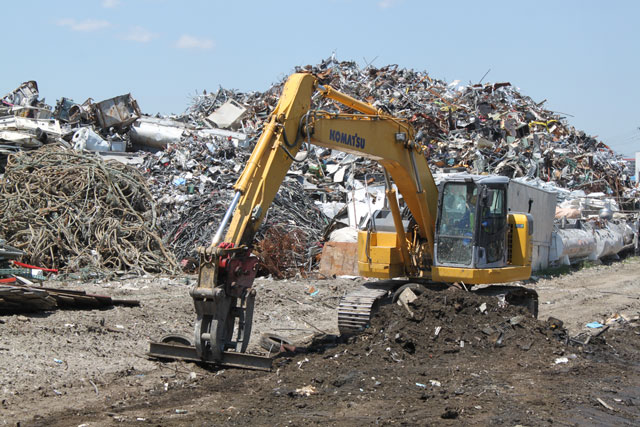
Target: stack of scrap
(192, 184)
(18, 299)
(481, 128)
(488, 128)
(76, 212)
(27, 123)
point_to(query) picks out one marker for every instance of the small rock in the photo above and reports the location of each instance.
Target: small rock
(516, 320)
(450, 414)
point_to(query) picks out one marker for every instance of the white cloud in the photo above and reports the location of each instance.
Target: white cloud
(110, 4)
(386, 4)
(139, 34)
(86, 25)
(189, 42)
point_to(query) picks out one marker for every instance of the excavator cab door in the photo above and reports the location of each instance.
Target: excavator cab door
(492, 227)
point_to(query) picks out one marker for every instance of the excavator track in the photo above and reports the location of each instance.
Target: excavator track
(356, 308)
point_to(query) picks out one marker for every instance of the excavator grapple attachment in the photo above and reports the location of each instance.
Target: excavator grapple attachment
(224, 302)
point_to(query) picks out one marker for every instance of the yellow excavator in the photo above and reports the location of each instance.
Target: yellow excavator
(458, 232)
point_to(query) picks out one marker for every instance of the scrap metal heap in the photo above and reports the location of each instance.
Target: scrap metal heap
(192, 181)
(486, 127)
(190, 162)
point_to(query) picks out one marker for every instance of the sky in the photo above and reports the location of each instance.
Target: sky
(583, 57)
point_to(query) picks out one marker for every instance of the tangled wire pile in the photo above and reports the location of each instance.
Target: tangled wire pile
(76, 212)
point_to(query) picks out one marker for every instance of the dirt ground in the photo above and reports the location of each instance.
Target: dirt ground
(460, 358)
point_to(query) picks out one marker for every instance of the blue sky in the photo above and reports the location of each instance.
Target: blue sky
(583, 57)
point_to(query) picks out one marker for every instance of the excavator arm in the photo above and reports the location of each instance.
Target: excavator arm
(223, 297)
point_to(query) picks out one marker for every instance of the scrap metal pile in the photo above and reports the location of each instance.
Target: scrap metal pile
(77, 212)
(191, 161)
(27, 122)
(487, 128)
(192, 182)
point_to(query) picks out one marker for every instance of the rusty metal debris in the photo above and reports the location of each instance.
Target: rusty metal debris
(118, 112)
(191, 161)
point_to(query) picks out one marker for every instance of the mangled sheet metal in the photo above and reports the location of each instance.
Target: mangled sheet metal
(22, 101)
(28, 123)
(29, 132)
(228, 115)
(119, 111)
(63, 109)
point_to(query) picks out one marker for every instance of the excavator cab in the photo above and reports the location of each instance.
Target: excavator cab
(475, 235)
(472, 226)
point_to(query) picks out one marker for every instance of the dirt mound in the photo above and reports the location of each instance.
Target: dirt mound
(433, 361)
(453, 321)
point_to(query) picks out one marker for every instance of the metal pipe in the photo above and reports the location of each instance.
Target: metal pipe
(397, 222)
(366, 190)
(387, 185)
(225, 220)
